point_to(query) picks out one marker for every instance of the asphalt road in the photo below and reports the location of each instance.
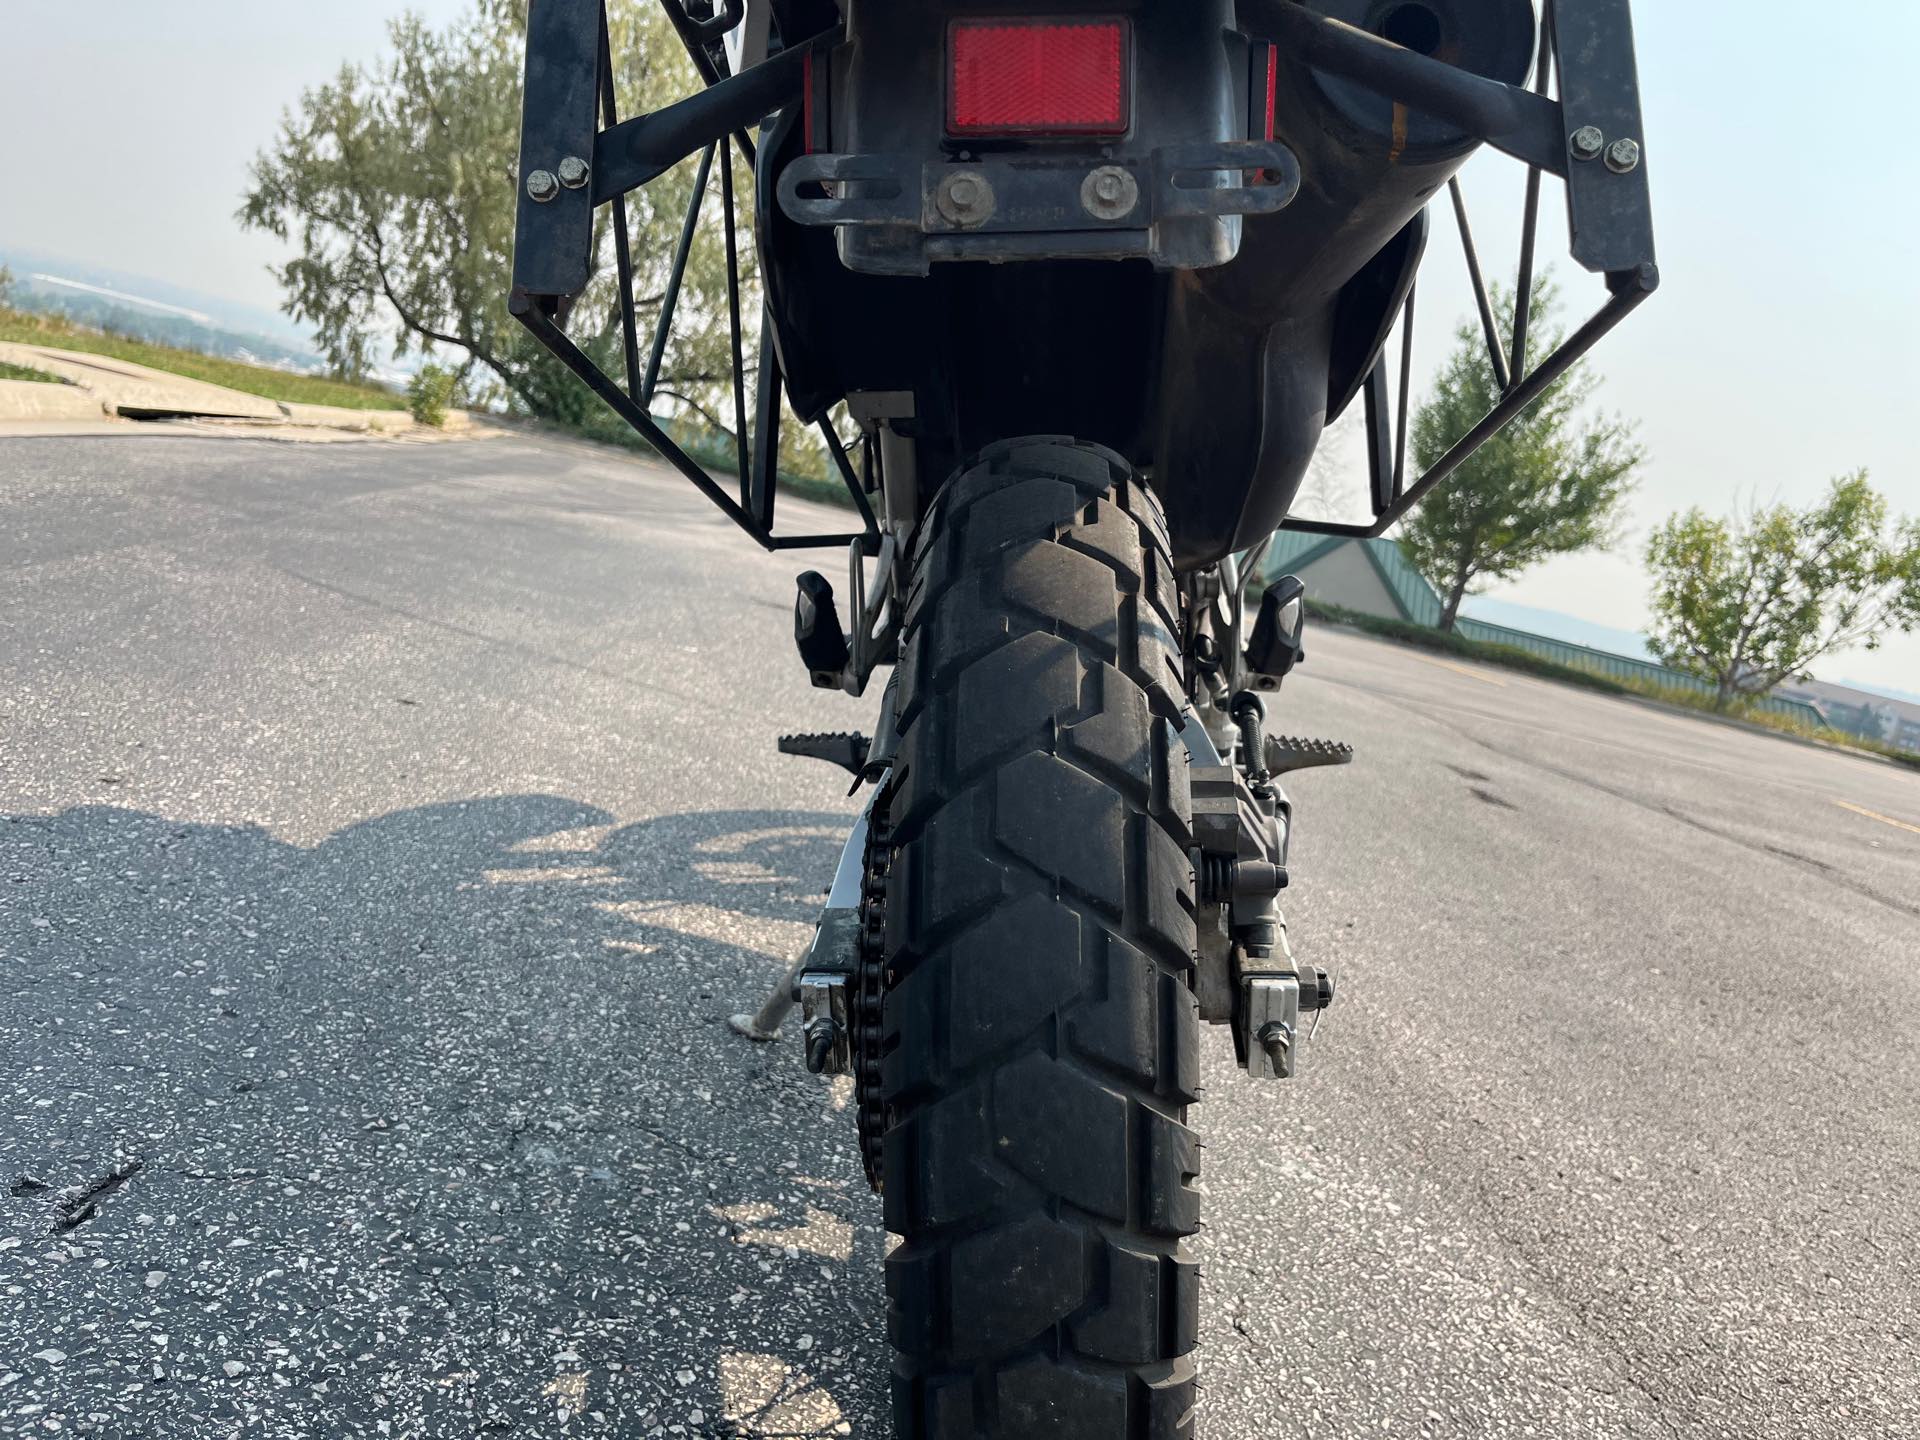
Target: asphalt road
(385, 831)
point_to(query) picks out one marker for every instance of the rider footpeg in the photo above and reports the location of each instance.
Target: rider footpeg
(845, 748)
(817, 633)
(1284, 753)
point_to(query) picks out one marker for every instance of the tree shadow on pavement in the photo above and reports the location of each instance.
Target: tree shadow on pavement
(435, 1123)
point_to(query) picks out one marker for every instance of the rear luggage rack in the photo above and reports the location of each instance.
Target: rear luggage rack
(577, 155)
(570, 166)
(1589, 135)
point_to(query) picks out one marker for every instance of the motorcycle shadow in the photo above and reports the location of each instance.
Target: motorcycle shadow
(435, 1122)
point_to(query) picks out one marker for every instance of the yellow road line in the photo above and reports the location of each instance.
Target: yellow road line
(1876, 815)
(1460, 670)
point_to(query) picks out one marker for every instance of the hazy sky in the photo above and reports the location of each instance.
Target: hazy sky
(1780, 351)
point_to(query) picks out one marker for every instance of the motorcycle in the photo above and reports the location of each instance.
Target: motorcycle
(1091, 278)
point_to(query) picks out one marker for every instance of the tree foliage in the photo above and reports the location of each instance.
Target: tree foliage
(430, 394)
(1550, 483)
(1751, 602)
(396, 184)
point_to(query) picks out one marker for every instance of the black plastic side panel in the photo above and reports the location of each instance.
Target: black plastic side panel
(1262, 353)
(1364, 314)
(808, 291)
(1241, 407)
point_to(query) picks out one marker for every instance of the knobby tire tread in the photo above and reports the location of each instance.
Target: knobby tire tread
(1040, 1040)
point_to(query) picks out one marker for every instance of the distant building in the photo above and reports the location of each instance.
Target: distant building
(1371, 577)
(1861, 712)
(1875, 720)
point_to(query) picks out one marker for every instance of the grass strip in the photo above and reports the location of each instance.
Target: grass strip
(270, 384)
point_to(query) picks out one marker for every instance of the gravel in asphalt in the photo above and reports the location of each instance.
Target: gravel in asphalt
(385, 833)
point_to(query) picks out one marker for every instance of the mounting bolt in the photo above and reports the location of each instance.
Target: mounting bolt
(822, 1035)
(574, 172)
(965, 198)
(1623, 156)
(1587, 142)
(542, 187)
(1276, 1038)
(1109, 193)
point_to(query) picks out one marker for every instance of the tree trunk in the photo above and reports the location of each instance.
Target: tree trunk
(1450, 611)
(1723, 696)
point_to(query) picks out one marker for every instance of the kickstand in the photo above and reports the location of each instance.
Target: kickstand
(763, 1025)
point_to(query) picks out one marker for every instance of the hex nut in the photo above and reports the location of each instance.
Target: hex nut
(1587, 142)
(1276, 1037)
(542, 186)
(574, 172)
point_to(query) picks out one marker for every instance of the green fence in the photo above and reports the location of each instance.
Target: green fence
(1419, 605)
(1625, 668)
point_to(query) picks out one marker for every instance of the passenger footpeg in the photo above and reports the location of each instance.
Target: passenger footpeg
(844, 748)
(1285, 754)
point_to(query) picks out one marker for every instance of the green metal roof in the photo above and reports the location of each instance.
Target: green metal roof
(1412, 595)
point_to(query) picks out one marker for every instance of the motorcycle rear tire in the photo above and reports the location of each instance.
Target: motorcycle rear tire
(1040, 1038)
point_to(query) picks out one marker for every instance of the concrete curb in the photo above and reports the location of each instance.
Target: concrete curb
(94, 422)
(340, 417)
(37, 400)
(123, 388)
(119, 387)
(379, 422)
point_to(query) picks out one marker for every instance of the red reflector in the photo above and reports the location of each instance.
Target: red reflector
(1037, 77)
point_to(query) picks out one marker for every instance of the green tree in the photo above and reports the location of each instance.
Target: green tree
(1751, 602)
(6, 286)
(396, 184)
(430, 393)
(1548, 484)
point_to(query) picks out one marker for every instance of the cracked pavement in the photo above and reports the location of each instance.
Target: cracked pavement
(385, 833)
